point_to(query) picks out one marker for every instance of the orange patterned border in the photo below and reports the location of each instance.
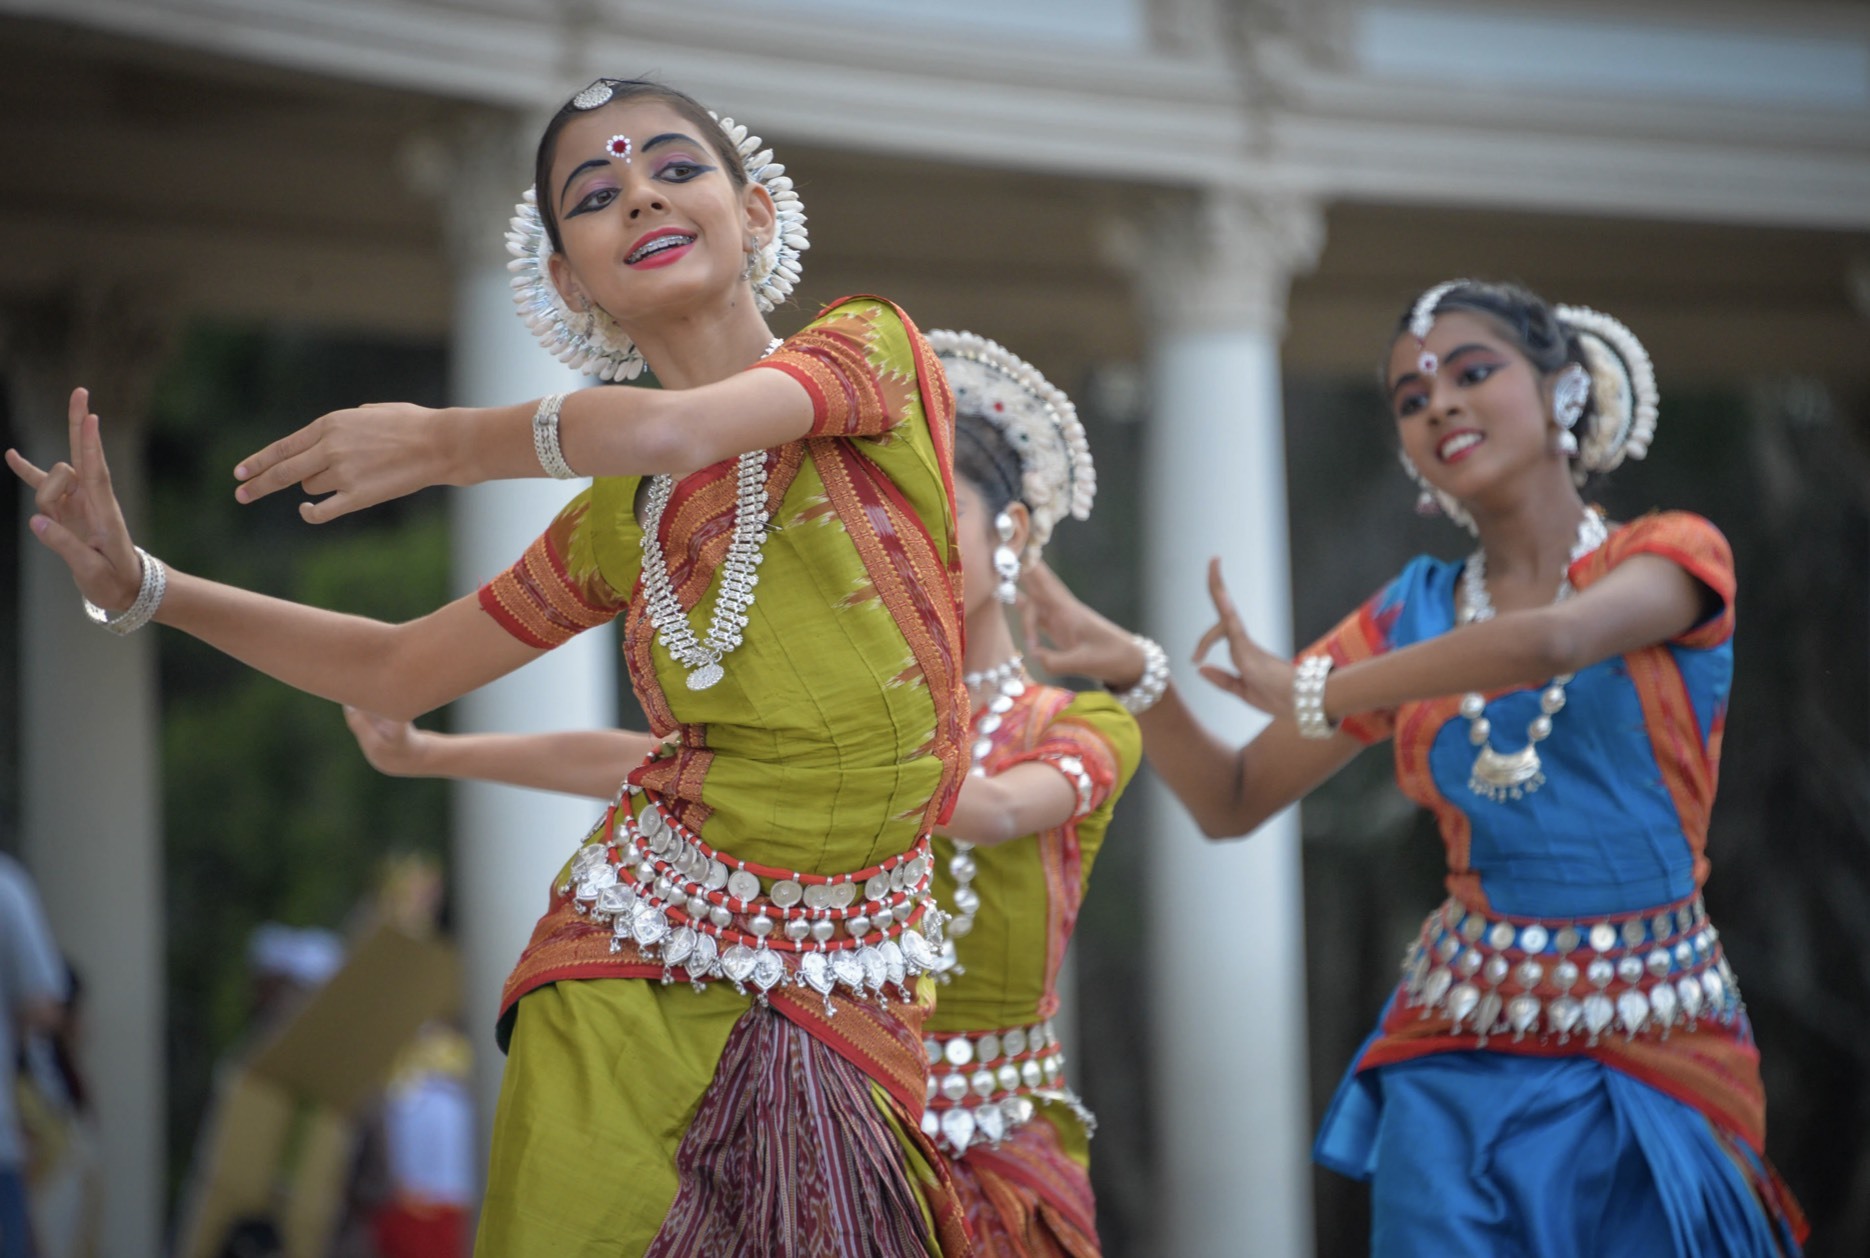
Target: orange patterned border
(1716, 1069)
(536, 601)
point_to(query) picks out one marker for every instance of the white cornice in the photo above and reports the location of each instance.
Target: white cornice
(1313, 126)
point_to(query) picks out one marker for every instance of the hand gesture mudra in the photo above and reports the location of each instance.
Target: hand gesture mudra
(1259, 678)
(357, 457)
(76, 514)
(1068, 639)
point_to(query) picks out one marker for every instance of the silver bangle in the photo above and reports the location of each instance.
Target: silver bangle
(1149, 688)
(545, 439)
(148, 598)
(1308, 697)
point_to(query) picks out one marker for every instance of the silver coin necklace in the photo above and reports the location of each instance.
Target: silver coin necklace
(739, 574)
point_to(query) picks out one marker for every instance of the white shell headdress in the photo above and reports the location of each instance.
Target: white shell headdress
(1057, 477)
(591, 341)
(1623, 387)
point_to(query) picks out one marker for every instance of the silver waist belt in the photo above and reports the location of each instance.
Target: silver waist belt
(1635, 974)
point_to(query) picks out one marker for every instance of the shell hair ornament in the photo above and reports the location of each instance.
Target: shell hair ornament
(1623, 385)
(590, 340)
(1057, 477)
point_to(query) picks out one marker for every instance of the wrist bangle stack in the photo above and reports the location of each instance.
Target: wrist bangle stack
(1148, 690)
(1308, 697)
(148, 599)
(545, 439)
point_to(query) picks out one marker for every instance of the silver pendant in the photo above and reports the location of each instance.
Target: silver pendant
(705, 961)
(737, 964)
(916, 951)
(815, 969)
(876, 969)
(705, 676)
(768, 970)
(678, 946)
(991, 1122)
(958, 1125)
(1498, 776)
(847, 969)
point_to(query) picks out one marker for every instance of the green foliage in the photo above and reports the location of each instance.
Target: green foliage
(269, 810)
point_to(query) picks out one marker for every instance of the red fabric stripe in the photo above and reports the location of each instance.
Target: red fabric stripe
(1024, 1198)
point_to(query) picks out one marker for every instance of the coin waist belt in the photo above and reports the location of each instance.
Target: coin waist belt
(659, 886)
(1555, 979)
(981, 1083)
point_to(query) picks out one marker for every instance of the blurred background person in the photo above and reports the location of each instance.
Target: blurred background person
(32, 991)
(55, 1110)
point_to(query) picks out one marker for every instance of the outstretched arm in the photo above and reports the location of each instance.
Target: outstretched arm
(572, 762)
(1644, 600)
(373, 453)
(1229, 790)
(1024, 800)
(400, 669)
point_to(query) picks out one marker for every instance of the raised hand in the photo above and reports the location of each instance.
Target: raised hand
(359, 457)
(1067, 638)
(1260, 678)
(76, 514)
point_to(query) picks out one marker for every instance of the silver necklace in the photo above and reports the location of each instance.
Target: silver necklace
(739, 571)
(1008, 681)
(1500, 776)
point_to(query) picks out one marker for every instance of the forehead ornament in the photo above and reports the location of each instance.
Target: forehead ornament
(619, 146)
(1422, 318)
(599, 93)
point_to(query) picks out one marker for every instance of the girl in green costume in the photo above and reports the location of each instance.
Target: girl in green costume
(1014, 860)
(810, 722)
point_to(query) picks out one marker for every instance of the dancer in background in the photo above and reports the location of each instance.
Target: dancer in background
(814, 722)
(1566, 1067)
(1014, 860)
(32, 992)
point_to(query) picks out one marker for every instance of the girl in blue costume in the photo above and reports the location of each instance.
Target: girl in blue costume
(1566, 1067)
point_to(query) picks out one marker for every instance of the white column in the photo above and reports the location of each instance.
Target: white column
(1227, 932)
(508, 842)
(90, 756)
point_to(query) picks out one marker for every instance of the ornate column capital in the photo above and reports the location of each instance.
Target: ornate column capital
(1222, 258)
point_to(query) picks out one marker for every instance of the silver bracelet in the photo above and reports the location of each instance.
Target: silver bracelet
(1308, 697)
(1149, 688)
(148, 599)
(545, 439)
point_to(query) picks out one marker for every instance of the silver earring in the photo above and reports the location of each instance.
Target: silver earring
(1005, 561)
(1570, 394)
(1426, 506)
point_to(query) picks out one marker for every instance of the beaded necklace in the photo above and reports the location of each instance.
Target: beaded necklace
(1500, 776)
